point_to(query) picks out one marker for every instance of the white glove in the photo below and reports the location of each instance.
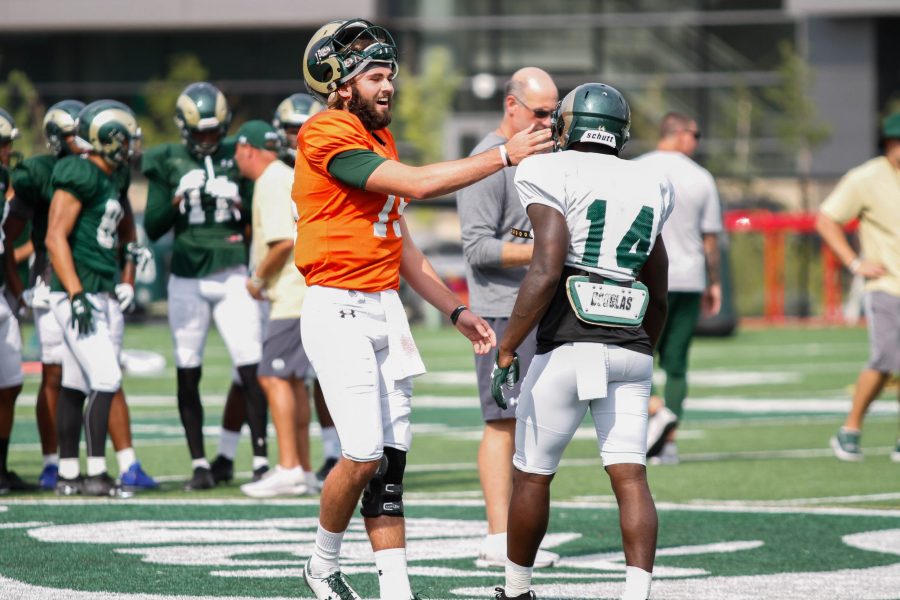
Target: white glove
(141, 255)
(38, 296)
(192, 180)
(125, 295)
(222, 187)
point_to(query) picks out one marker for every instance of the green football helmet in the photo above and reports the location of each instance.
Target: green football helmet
(59, 123)
(108, 129)
(293, 112)
(594, 113)
(340, 50)
(8, 130)
(201, 107)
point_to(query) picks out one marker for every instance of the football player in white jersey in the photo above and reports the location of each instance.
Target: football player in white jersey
(596, 289)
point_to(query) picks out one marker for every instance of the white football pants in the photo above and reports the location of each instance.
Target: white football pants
(549, 410)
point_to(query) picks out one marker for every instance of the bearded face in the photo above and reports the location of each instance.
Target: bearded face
(372, 99)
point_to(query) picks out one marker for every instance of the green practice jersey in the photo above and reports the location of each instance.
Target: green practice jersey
(209, 231)
(4, 210)
(31, 180)
(94, 239)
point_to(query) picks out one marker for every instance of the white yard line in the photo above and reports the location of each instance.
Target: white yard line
(719, 506)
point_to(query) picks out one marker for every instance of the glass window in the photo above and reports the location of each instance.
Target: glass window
(743, 4)
(542, 7)
(649, 51)
(746, 47)
(555, 51)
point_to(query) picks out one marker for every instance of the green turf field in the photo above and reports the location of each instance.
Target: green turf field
(758, 508)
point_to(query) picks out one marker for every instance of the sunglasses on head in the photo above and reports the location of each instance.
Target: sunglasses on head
(539, 113)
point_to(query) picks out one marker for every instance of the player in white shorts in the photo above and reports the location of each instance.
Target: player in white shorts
(193, 191)
(31, 204)
(82, 238)
(10, 342)
(596, 289)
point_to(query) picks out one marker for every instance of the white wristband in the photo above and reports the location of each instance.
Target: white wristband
(854, 265)
(504, 156)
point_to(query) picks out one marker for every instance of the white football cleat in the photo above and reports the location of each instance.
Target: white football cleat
(277, 482)
(331, 587)
(658, 427)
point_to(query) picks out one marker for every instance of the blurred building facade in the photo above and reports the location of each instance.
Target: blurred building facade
(716, 59)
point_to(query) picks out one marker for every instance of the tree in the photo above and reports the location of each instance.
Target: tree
(799, 126)
(648, 107)
(19, 96)
(158, 123)
(801, 130)
(424, 104)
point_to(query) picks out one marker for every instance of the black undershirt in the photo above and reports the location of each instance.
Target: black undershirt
(560, 325)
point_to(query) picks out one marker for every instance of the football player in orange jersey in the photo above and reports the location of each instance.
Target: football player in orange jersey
(352, 247)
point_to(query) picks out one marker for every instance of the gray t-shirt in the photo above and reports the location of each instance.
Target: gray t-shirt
(487, 211)
(696, 212)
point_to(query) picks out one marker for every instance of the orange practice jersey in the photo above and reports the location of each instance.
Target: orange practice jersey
(347, 237)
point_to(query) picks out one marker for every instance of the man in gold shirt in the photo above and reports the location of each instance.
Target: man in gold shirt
(870, 193)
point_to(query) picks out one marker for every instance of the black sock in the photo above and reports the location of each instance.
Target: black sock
(68, 421)
(191, 410)
(257, 409)
(4, 453)
(96, 422)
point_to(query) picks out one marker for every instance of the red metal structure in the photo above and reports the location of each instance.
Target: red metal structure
(774, 227)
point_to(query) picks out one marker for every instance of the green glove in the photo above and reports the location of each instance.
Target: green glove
(501, 376)
(82, 314)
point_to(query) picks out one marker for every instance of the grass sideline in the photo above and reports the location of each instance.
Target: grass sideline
(733, 447)
(758, 508)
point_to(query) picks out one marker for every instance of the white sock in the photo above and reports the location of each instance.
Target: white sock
(69, 468)
(228, 443)
(637, 584)
(260, 461)
(96, 465)
(51, 459)
(495, 544)
(393, 578)
(126, 458)
(331, 443)
(518, 579)
(325, 556)
(199, 462)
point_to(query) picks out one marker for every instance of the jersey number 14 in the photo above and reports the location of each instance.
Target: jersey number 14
(633, 248)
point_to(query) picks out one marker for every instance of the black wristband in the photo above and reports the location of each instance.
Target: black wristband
(454, 316)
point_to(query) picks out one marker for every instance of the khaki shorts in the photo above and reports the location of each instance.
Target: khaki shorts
(484, 365)
(883, 316)
(283, 355)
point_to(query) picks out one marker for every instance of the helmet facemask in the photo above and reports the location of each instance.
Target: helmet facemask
(291, 114)
(109, 130)
(202, 108)
(336, 55)
(59, 125)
